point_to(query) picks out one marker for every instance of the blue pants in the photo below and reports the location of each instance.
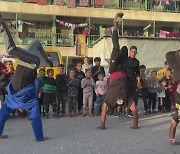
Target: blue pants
(98, 104)
(24, 99)
(34, 117)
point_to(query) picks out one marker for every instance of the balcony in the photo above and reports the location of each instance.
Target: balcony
(61, 40)
(148, 5)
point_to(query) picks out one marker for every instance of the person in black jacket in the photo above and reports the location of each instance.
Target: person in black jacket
(132, 75)
(116, 92)
(79, 74)
(61, 79)
(97, 68)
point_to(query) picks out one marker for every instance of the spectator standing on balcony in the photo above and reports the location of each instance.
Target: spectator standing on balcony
(167, 82)
(143, 88)
(86, 64)
(79, 75)
(61, 79)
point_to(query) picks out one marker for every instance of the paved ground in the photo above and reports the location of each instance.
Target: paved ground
(79, 136)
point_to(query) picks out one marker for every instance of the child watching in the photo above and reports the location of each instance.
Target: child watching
(61, 79)
(87, 84)
(72, 93)
(100, 90)
(80, 75)
(153, 87)
(49, 88)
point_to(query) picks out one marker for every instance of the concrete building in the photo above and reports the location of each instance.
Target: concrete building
(57, 23)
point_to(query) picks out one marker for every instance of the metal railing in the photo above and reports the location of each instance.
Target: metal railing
(57, 39)
(149, 5)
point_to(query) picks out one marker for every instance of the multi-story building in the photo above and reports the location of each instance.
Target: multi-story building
(152, 25)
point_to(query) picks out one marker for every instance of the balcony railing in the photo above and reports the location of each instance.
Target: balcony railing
(57, 39)
(149, 5)
(62, 40)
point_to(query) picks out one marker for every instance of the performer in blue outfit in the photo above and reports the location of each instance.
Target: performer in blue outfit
(22, 92)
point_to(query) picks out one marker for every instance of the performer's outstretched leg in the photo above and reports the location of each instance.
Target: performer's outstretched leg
(4, 114)
(25, 55)
(36, 123)
(36, 48)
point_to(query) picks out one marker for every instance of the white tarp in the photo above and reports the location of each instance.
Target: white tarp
(151, 52)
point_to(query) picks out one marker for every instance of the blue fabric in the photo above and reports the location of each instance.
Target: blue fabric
(24, 99)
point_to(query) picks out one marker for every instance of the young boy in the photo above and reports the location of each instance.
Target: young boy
(97, 68)
(39, 83)
(100, 90)
(72, 93)
(143, 88)
(88, 85)
(61, 79)
(153, 87)
(116, 92)
(79, 75)
(49, 88)
(173, 58)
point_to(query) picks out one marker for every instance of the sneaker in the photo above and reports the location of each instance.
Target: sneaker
(121, 114)
(118, 17)
(130, 115)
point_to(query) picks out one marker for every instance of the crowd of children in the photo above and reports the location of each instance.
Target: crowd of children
(158, 86)
(84, 91)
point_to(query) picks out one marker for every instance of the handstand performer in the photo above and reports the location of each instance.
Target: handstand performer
(22, 92)
(116, 93)
(173, 59)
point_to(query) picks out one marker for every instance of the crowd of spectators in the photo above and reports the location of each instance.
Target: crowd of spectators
(81, 91)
